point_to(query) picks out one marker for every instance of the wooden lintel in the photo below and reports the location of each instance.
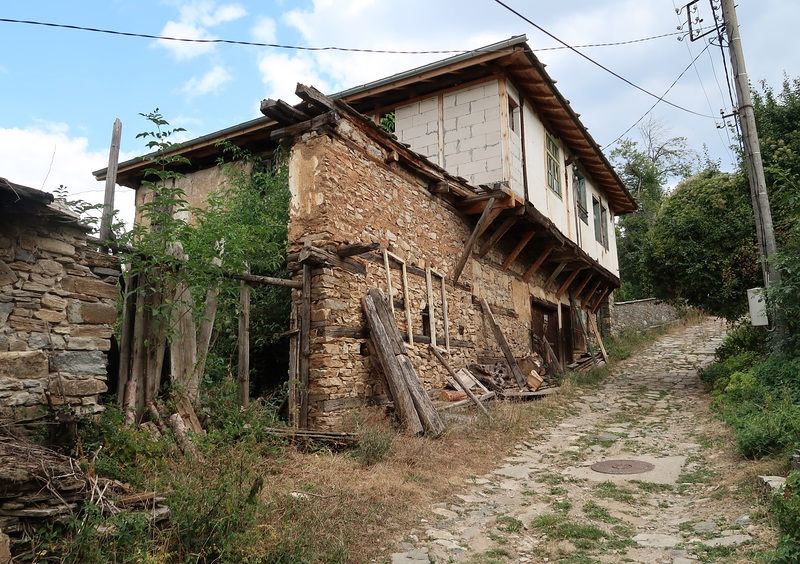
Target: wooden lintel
(568, 281)
(469, 200)
(539, 261)
(583, 284)
(479, 228)
(314, 256)
(561, 266)
(255, 279)
(599, 300)
(345, 251)
(590, 293)
(518, 249)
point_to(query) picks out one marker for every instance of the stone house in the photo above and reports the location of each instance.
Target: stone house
(57, 306)
(490, 188)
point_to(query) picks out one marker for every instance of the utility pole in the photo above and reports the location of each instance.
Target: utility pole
(752, 153)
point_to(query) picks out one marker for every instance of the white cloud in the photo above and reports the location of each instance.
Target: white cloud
(183, 50)
(264, 30)
(281, 73)
(45, 156)
(195, 17)
(210, 82)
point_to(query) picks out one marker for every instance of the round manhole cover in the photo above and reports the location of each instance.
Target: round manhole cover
(622, 467)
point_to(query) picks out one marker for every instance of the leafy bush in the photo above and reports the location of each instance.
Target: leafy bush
(743, 337)
(787, 510)
(719, 373)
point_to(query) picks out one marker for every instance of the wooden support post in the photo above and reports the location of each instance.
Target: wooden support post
(126, 334)
(596, 330)
(501, 340)
(497, 235)
(111, 183)
(568, 281)
(518, 249)
(445, 319)
(243, 380)
(482, 224)
(294, 349)
(591, 292)
(555, 274)
(305, 345)
(583, 327)
(431, 307)
(458, 380)
(539, 261)
(406, 297)
(600, 299)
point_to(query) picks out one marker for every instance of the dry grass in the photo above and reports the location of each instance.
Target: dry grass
(343, 510)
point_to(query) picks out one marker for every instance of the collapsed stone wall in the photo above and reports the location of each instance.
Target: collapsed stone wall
(638, 315)
(344, 192)
(57, 310)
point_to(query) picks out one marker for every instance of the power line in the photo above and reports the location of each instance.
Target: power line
(573, 49)
(331, 48)
(660, 99)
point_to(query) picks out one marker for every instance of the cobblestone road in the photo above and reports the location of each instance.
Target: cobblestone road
(545, 503)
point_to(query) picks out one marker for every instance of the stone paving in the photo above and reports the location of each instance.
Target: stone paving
(544, 503)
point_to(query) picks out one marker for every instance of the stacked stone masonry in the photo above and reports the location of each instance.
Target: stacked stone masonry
(57, 309)
(639, 315)
(343, 192)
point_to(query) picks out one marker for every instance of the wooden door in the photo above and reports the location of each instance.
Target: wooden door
(567, 345)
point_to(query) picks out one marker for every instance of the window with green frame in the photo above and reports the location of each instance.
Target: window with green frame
(604, 225)
(580, 183)
(553, 166)
(598, 224)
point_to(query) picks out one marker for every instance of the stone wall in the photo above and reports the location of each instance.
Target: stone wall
(344, 192)
(57, 309)
(639, 315)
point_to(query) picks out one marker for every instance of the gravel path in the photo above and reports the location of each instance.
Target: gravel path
(545, 503)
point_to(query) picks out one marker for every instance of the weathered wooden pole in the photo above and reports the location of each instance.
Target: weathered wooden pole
(111, 182)
(243, 381)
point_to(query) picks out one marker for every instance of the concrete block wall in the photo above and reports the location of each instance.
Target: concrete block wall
(472, 133)
(57, 310)
(417, 124)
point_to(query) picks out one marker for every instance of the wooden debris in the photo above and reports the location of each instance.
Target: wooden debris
(452, 395)
(483, 397)
(513, 394)
(458, 380)
(401, 377)
(501, 340)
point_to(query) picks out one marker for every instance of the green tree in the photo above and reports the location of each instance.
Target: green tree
(703, 244)
(645, 169)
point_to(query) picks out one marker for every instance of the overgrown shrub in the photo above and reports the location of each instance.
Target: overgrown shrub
(743, 337)
(771, 428)
(719, 373)
(786, 506)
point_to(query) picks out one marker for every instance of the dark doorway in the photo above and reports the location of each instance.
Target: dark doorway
(544, 325)
(567, 345)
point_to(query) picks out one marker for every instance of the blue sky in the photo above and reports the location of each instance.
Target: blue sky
(61, 89)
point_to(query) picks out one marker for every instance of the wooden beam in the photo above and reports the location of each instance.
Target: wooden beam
(501, 340)
(583, 327)
(441, 187)
(589, 295)
(568, 281)
(345, 251)
(539, 261)
(518, 249)
(256, 279)
(314, 256)
(583, 284)
(599, 300)
(431, 307)
(314, 97)
(282, 112)
(111, 183)
(555, 273)
(479, 228)
(497, 235)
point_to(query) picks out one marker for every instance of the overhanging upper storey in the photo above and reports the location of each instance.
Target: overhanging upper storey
(513, 66)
